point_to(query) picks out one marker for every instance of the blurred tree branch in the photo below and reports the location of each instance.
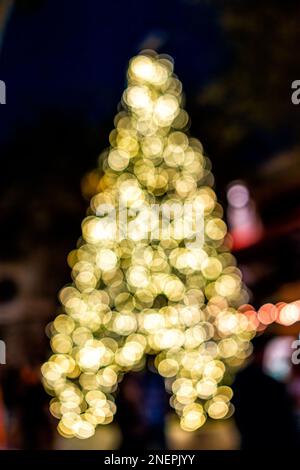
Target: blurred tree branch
(256, 90)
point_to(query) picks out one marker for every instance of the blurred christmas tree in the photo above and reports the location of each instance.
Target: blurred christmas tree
(152, 273)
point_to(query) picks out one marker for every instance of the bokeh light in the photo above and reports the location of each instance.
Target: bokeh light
(134, 296)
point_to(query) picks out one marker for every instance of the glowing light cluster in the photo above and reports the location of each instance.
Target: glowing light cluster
(165, 297)
(283, 313)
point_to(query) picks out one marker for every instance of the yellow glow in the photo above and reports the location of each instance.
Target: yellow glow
(136, 295)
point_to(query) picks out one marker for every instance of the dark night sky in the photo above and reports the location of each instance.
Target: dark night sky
(72, 56)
